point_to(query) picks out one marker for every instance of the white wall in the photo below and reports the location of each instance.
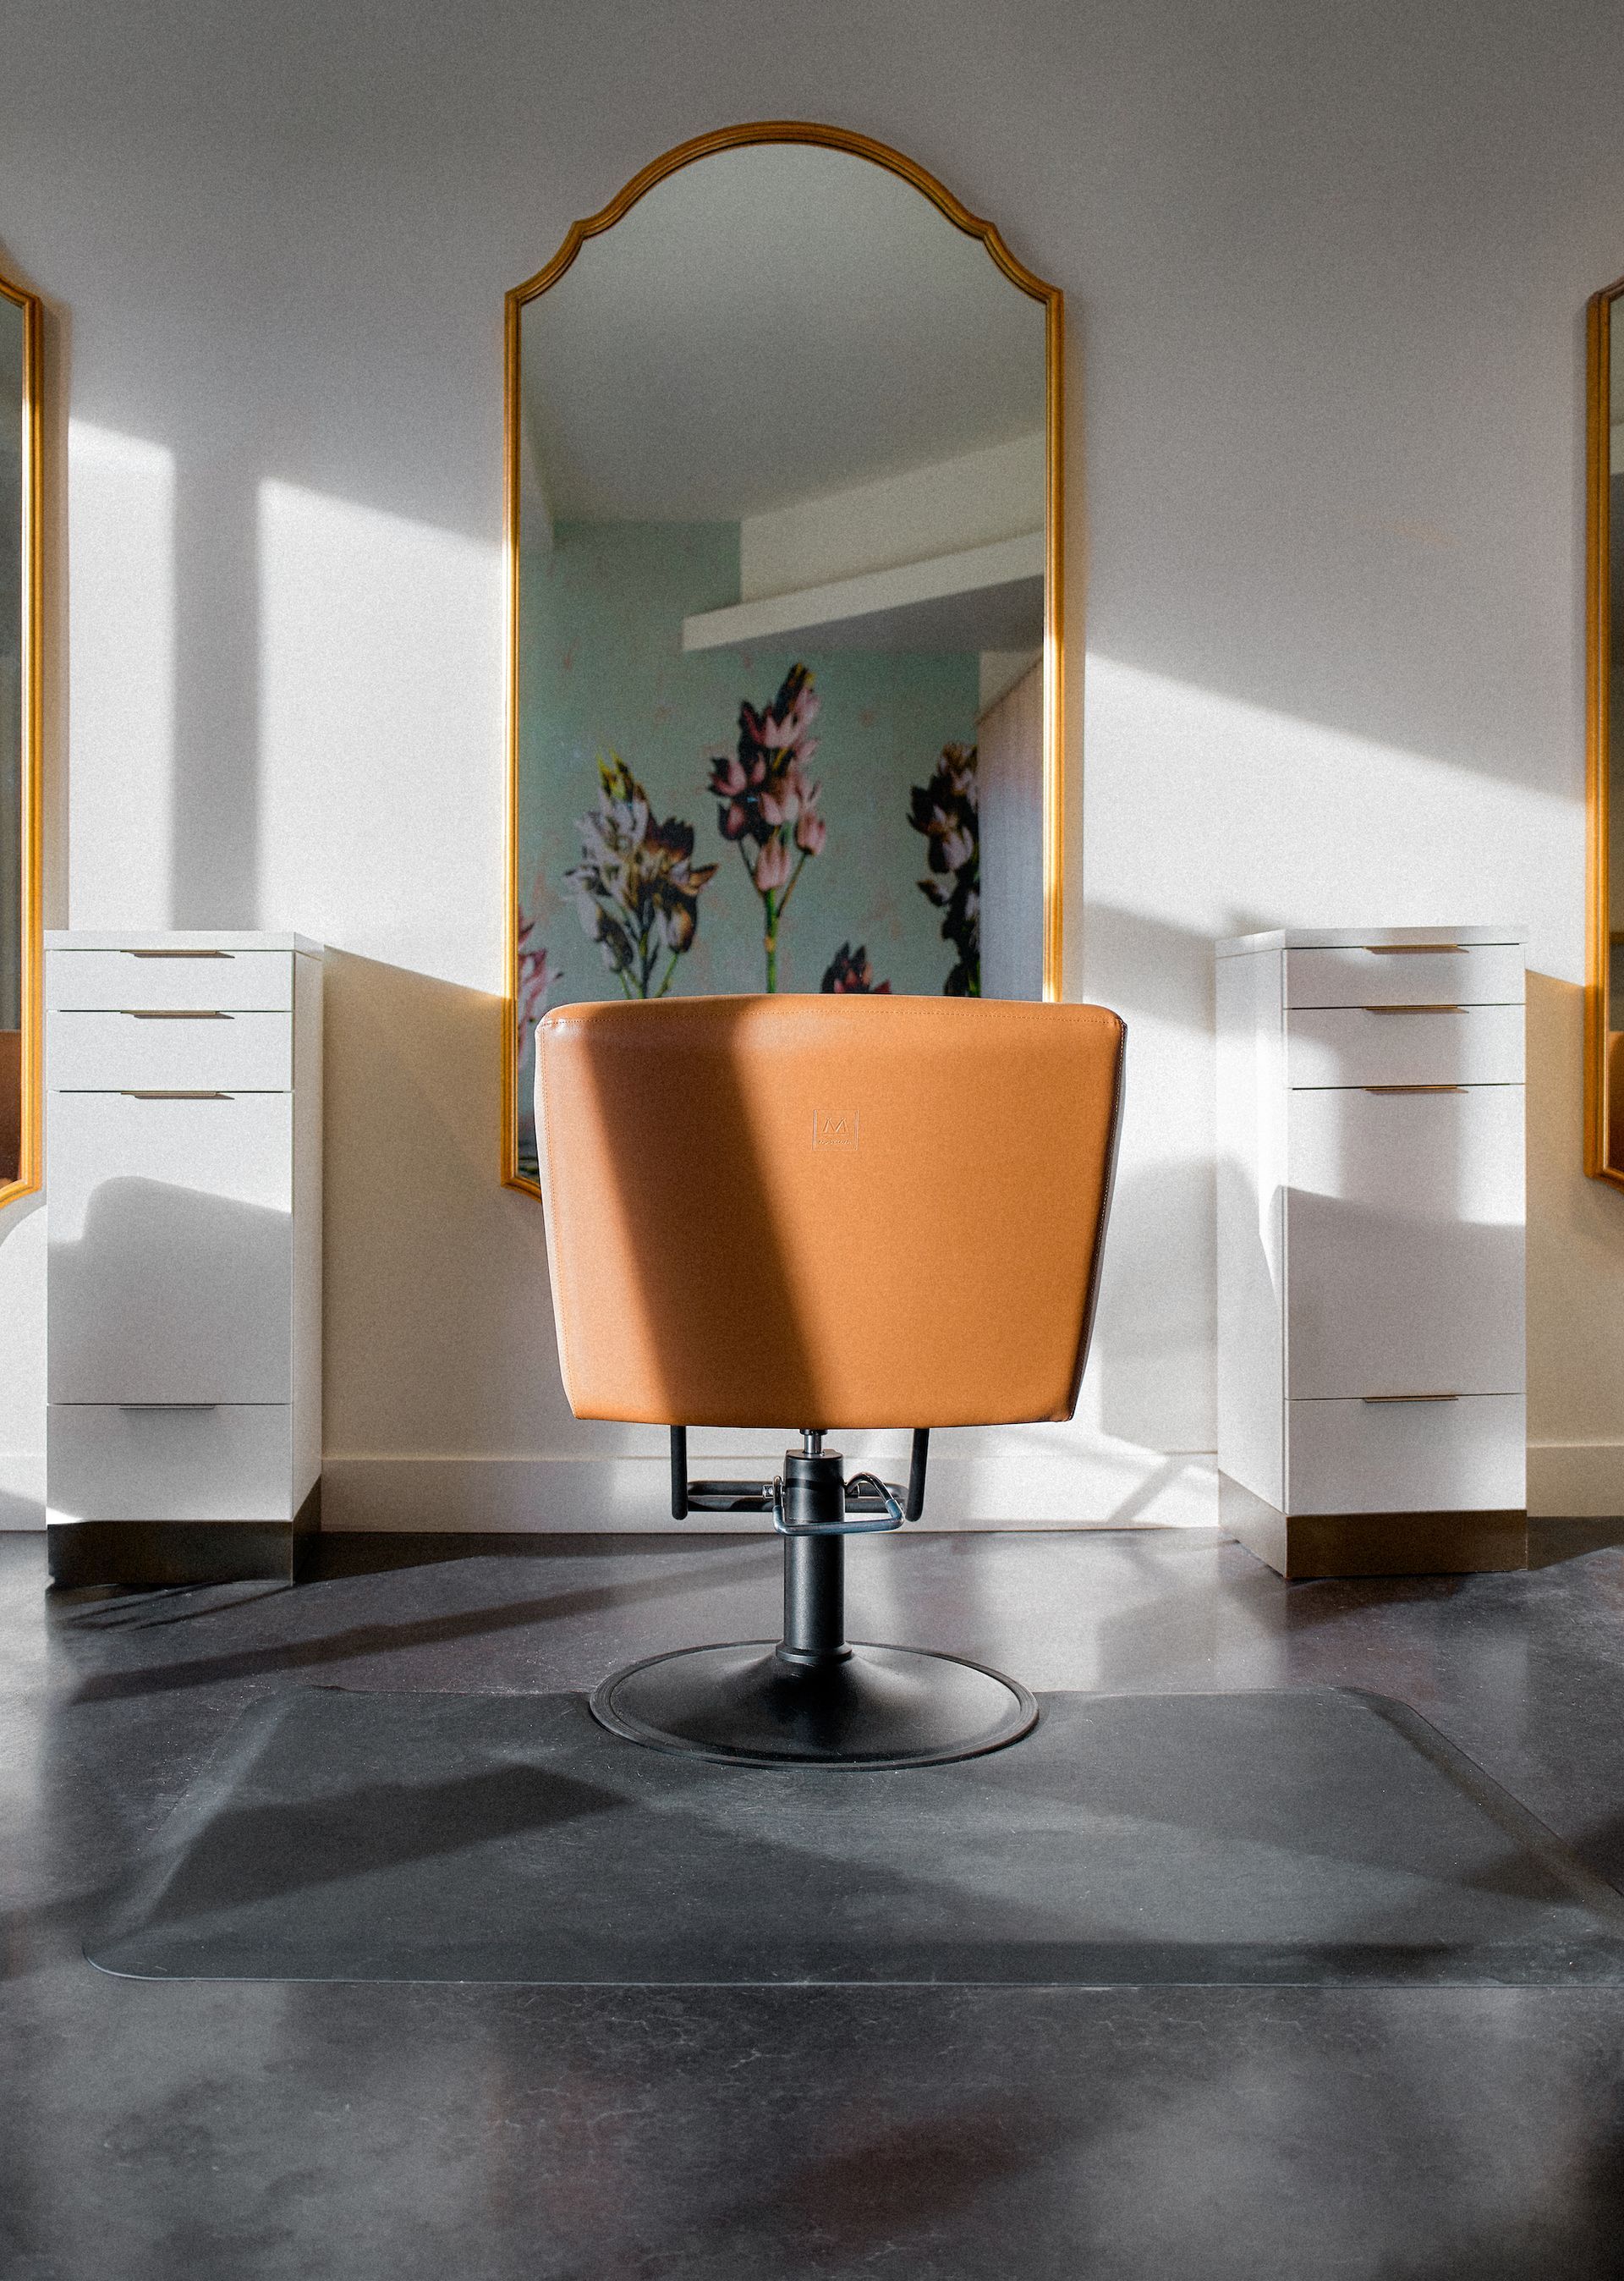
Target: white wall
(1326, 272)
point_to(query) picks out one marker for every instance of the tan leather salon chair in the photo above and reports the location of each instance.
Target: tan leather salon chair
(825, 1213)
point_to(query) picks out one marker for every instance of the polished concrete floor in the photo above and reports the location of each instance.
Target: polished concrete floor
(152, 2132)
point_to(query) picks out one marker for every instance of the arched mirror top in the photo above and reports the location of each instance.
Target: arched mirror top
(783, 449)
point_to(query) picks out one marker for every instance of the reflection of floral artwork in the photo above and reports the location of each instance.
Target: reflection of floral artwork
(636, 886)
(946, 810)
(538, 978)
(769, 809)
(602, 673)
(849, 970)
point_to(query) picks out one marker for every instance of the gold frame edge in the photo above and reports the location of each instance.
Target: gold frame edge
(30, 1163)
(1598, 694)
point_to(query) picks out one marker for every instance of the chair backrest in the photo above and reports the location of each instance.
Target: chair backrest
(833, 1212)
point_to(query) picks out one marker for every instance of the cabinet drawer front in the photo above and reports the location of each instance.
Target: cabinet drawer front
(1355, 1045)
(1468, 1456)
(232, 1463)
(109, 980)
(171, 1248)
(1484, 974)
(1404, 1242)
(231, 1052)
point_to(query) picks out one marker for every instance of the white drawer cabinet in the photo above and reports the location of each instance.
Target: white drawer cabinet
(1404, 1045)
(171, 1248)
(113, 975)
(1406, 971)
(204, 1462)
(170, 1050)
(1404, 1242)
(183, 1169)
(1465, 1454)
(1370, 1247)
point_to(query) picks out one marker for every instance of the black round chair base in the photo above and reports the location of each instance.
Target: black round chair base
(877, 1707)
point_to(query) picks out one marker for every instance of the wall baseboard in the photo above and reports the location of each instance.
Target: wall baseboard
(1567, 1479)
(544, 1494)
(1579, 1481)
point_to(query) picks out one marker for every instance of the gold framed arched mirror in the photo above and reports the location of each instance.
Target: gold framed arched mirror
(19, 740)
(783, 520)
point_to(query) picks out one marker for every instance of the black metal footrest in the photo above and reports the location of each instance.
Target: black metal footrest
(866, 1503)
(729, 1497)
(879, 1498)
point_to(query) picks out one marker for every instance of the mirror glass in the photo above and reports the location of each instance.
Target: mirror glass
(779, 494)
(16, 963)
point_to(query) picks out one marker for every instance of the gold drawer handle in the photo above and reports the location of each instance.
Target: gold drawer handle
(1440, 1009)
(174, 1014)
(1410, 950)
(1409, 1397)
(1415, 1088)
(178, 954)
(128, 1092)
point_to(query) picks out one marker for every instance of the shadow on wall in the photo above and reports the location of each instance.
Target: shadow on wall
(438, 1314)
(1148, 968)
(1152, 1357)
(1352, 502)
(168, 1287)
(1154, 1333)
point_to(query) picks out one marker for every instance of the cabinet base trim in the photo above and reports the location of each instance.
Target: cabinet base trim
(169, 1552)
(1371, 1544)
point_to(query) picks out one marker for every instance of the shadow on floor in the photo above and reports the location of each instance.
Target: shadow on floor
(371, 1552)
(749, 1564)
(1551, 1542)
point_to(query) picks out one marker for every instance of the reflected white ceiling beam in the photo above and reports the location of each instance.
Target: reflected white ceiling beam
(942, 507)
(981, 597)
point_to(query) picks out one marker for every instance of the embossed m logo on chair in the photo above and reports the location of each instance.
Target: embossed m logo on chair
(835, 1128)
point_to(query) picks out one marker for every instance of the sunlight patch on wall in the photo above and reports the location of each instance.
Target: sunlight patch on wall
(381, 751)
(1205, 817)
(121, 677)
(1209, 816)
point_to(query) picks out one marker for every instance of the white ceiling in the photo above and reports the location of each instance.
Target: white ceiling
(765, 326)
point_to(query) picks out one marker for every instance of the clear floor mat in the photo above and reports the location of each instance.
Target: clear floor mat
(1317, 1836)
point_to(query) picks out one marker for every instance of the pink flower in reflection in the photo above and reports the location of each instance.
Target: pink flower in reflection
(537, 979)
(849, 970)
(767, 803)
(773, 867)
(811, 830)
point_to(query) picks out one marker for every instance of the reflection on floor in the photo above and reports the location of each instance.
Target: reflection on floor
(704, 2134)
